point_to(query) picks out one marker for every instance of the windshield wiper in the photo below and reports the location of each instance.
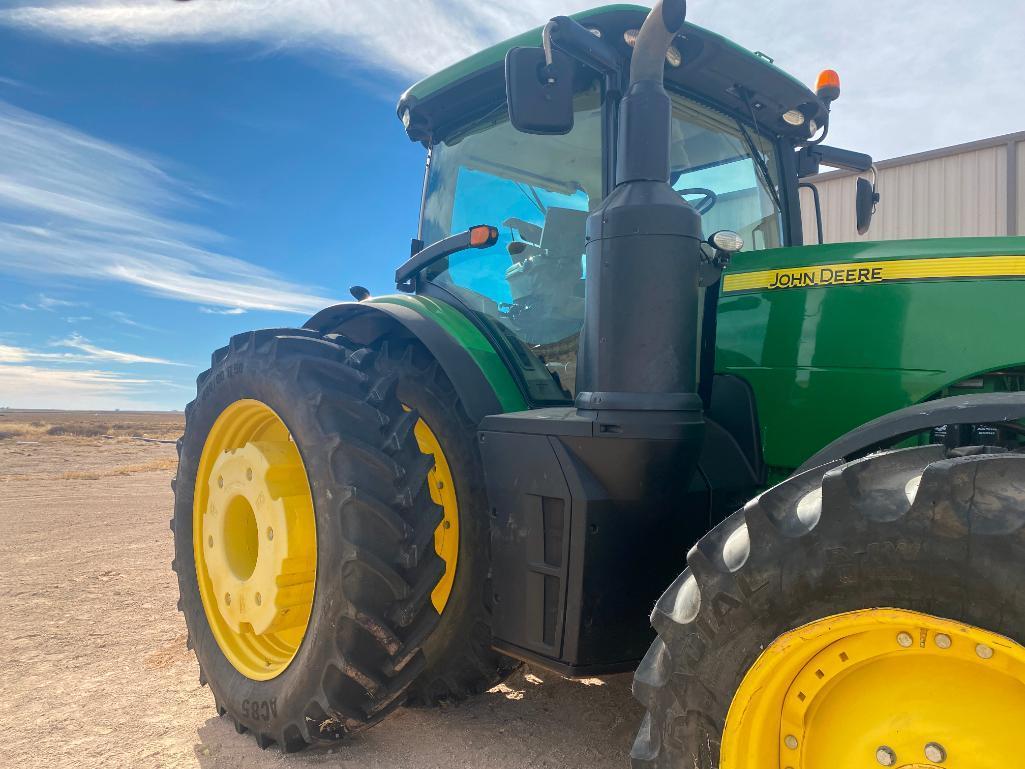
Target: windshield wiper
(532, 196)
(756, 155)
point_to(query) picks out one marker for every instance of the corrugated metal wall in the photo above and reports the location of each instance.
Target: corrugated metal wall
(963, 191)
(1019, 149)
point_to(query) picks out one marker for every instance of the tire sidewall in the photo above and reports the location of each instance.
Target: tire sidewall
(861, 565)
(261, 704)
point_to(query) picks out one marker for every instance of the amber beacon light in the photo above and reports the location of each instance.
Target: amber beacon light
(828, 85)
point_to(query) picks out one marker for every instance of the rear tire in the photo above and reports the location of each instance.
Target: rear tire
(916, 529)
(459, 659)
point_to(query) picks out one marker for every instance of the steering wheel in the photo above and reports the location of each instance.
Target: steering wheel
(706, 203)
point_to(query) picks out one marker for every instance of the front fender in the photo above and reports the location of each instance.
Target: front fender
(986, 408)
(479, 375)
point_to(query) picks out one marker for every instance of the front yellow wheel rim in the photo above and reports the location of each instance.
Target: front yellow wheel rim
(254, 538)
(443, 493)
(883, 687)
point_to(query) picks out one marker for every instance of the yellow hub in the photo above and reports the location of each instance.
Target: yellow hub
(880, 687)
(443, 492)
(254, 539)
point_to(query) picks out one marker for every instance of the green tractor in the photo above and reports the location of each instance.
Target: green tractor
(612, 358)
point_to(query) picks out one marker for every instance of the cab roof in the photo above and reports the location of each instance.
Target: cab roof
(713, 70)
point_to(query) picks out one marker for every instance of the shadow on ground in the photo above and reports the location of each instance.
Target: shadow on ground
(535, 720)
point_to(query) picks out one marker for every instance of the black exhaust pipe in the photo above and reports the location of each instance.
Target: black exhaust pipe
(638, 349)
(574, 491)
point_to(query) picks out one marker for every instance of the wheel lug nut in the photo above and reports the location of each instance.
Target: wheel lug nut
(249, 473)
(259, 601)
(885, 756)
(220, 481)
(905, 640)
(935, 753)
(943, 641)
(984, 651)
(210, 541)
(270, 533)
(227, 599)
(790, 741)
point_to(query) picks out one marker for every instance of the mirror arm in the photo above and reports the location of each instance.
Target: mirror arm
(818, 208)
(810, 158)
(823, 133)
(577, 41)
(475, 237)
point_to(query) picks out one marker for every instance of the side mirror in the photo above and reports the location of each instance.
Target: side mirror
(540, 95)
(865, 203)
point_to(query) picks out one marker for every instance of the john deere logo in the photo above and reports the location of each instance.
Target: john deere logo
(826, 276)
(944, 268)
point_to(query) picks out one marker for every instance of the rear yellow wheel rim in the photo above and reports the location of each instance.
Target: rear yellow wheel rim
(443, 492)
(882, 687)
(254, 537)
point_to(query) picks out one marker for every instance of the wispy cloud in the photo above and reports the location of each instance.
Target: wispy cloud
(52, 303)
(226, 311)
(19, 307)
(951, 87)
(77, 342)
(123, 317)
(12, 354)
(85, 352)
(403, 37)
(32, 386)
(43, 302)
(127, 320)
(76, 206)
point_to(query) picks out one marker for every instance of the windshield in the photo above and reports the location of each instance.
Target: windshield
(729, 173)
(529, 287)
(537, 190)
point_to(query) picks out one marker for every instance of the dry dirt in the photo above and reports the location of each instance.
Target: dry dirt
(94, 667)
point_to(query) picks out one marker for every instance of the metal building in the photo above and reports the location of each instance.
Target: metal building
(969, 190)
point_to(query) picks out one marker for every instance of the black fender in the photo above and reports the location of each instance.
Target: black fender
(985, 408)
(366, 324)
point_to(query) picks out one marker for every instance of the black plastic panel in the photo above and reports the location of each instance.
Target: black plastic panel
(588, 529)
(530, 536)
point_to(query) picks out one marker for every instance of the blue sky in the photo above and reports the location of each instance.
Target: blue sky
(173, 173)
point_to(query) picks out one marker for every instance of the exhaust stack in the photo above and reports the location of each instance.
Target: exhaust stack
(638, 350)
(609, 481)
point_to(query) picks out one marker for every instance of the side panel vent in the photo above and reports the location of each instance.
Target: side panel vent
(529, 540)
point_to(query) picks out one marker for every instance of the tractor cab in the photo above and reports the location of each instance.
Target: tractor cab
(737, 126)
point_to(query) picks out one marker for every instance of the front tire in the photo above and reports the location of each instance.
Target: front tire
(376, 566)
(829, 578)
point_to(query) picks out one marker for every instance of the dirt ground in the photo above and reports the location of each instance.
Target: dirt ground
(94, 667)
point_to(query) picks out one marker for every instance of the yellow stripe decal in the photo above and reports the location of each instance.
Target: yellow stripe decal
(856, 273)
